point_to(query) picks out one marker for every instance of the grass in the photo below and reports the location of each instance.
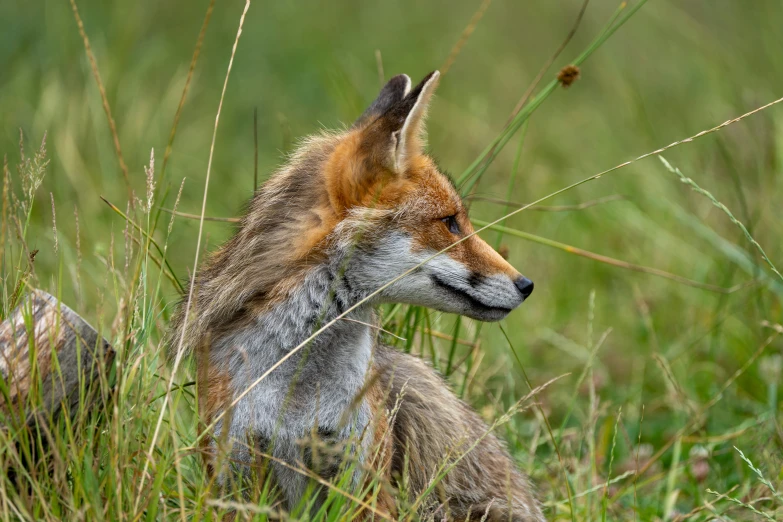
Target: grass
(661, 399)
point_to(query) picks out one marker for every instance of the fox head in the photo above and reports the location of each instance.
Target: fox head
(402, 211)
(372, 201)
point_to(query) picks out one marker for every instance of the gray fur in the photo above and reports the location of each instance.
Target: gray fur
(315, 387)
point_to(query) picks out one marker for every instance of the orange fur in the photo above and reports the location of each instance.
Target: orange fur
(382, 447)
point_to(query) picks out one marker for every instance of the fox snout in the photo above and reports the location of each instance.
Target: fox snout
(494, 283)
(486, 298)
(525, 286)
(484, 287)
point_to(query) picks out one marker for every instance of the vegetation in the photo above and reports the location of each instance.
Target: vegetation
(654, 329)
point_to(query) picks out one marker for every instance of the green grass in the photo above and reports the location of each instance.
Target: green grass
(666, 404)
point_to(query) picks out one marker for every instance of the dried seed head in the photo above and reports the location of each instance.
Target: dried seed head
(176, 203)
(54, 223)
(645, 451)
(503, 251)
(150, 172)
(771, 368)
(699, 465)
(568, 75)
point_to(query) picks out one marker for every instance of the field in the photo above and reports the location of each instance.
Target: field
(658, 301)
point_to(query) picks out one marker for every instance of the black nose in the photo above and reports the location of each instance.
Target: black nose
(525, 286)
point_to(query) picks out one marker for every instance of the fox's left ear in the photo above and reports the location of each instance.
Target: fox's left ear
(398, 134)
(388, 135)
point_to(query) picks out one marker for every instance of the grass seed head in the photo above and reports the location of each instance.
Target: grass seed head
(568, 75)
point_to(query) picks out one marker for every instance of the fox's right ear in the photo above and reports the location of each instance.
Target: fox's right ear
(392, 93)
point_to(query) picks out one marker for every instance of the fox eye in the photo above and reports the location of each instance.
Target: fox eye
(451, 224)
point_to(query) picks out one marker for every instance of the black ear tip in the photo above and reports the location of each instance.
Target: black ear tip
(400, 85)
(400, 79)
(392, 93)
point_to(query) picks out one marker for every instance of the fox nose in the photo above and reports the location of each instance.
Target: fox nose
(525, 286)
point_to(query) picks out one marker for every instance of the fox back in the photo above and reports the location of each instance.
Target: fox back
(354, 219)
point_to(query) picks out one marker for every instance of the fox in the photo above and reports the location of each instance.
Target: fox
(354, 219)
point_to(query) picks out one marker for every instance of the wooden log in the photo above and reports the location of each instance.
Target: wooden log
(49, 357)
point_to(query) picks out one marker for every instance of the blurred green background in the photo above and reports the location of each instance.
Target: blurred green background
(675, 69)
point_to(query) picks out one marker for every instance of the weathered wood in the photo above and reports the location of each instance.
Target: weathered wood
(46, 349)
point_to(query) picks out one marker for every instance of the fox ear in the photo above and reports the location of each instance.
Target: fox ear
(392, 93)
(397, 134)
(386, 136)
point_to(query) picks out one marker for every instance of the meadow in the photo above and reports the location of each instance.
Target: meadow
(656, 319)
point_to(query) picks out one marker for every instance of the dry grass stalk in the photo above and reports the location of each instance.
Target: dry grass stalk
(193, 61)
(104, 98)
(475, 19)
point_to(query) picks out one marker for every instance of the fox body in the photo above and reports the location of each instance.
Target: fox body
(346, 216)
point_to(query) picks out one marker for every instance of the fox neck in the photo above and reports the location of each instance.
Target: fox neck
(326, 292)
(340, 354)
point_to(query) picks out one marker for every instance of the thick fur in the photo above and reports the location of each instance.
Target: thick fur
(433, 423)
(349, 213)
